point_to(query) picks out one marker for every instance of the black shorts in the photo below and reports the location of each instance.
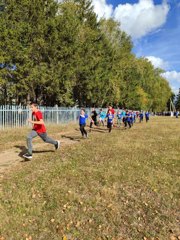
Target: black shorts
(109, 125)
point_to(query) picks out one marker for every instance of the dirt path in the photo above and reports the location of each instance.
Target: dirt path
(11, 157)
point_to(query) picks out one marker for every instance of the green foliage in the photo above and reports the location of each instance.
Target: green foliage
(61, 54)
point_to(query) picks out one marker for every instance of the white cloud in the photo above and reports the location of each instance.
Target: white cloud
(137, 19)
(158, 62)
(173, 78)
(141, 18)
(175, 90)
(102, 9)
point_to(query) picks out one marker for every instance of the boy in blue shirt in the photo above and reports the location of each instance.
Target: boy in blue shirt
(119, 118)
(127, 119)
(102, 116)
(147, 116)
(82, 123)
(110, 119)
(141, 116)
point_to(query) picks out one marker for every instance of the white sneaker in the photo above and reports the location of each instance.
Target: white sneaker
(27, 155)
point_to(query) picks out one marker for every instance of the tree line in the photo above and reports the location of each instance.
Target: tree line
(60, 53)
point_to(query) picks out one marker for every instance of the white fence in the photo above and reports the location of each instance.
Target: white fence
(16, 116)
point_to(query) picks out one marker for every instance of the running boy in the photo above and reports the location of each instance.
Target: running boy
(147, 116)
(38, 129)
(127, 119)
(141, 116)
(110, 119)
(93, 118)
(82, 123)
(102, 116)
(119, 118)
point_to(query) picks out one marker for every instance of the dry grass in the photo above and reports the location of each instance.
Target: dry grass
(122, 185)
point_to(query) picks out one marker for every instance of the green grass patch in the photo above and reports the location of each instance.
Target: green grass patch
(123, 185)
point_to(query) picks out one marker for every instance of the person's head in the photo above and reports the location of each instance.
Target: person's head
(100, 109)
(82, 111)
(34, 107)
(109, 111)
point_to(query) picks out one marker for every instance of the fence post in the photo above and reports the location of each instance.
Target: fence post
(74, 110)
(3, 116)
(29, 114)
(57, 114)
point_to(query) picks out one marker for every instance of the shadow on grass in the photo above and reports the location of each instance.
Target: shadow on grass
(73, 138)
(24, 150)
(99, 130)
(43, 151)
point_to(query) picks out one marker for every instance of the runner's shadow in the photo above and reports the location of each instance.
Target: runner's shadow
(43, 151)
(73, 138)
(99, 130)
(24, 150)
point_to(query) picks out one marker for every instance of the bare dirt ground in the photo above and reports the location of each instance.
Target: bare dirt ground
(14, 156)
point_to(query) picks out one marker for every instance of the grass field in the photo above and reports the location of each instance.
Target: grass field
(118, 186)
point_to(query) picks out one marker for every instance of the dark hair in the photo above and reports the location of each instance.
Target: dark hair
(34, 104)
(83, 109)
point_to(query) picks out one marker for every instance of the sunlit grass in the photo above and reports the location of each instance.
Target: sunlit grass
(122, 185)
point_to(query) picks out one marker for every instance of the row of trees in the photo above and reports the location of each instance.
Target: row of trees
(59, 53)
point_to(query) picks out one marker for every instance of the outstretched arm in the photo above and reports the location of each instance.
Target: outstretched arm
(40, 122)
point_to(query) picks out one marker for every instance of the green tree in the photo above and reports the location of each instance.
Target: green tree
(59, 53)
(177, 101)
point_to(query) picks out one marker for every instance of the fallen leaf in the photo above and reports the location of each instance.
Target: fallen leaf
(65, 238)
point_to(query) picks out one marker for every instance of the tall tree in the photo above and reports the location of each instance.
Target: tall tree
(61, 54)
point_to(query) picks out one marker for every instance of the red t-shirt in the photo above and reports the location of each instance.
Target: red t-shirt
(113, 111)
(40, 128)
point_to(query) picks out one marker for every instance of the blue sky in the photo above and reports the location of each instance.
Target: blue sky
(163, 43)
(154, 26)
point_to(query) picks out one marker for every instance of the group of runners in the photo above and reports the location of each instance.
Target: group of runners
(122, 117)
(111, 117)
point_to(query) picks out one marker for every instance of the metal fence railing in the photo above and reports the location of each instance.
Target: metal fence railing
(16, 116)
(12, 116)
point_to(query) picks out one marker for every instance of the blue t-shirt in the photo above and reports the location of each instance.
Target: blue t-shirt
(134, 115)
(102, 115)
(119, 115)
(110, 118)
(147, 114)
(141, 115)
(82, 119)
(123, 113)
(128, 117)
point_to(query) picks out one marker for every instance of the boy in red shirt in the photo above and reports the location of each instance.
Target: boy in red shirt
(38, 130)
